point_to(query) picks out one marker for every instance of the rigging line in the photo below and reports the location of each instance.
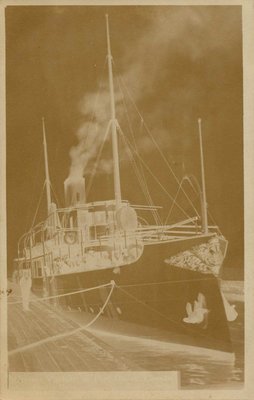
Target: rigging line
(65, 334)
(134, 166)
(145, 188)
(170, 211)
(209, 213)
(143, 185)
(131, 129)
(215, 223)
(96, 101)
(141, 166)
(155, 178)
(56, 197)
(155, 143)
(97, 159)
(146, 194)
(35, 181)
(98, 91)
(136, 171)
(141, 182)
(159, 183)
(38, 205)
(142, 169)
(173, 203)
(130, 126)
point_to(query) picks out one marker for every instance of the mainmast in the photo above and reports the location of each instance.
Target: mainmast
(204, 203)
(47, 180)
(117, 185)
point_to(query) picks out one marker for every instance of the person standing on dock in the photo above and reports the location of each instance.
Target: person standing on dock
(25, 285)
(15, 276)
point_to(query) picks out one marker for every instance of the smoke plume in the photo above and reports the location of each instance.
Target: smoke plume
(173, 40)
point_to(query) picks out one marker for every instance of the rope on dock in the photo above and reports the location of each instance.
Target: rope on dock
(62, 295)
(69, 333)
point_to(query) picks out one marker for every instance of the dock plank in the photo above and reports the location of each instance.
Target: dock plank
(47, 362)
(79, 351)
(17, 364)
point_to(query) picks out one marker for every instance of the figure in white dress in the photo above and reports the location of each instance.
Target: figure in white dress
(25, 285)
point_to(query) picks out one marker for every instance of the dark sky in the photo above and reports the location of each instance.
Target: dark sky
(179, 63)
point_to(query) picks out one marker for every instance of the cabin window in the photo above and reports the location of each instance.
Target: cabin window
(82, 218)
(37, 268)
(69, 220)
(89, 218)
(33, 266)
(110, 216)
(97, 231)
(99, 218)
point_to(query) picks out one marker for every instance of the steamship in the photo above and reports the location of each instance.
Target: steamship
(106, 260)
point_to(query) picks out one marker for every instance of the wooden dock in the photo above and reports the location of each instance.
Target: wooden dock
(45, 339)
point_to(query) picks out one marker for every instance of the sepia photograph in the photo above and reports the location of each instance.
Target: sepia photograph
(125, 196)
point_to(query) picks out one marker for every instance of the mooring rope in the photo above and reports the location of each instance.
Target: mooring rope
(108, 284)
(62, 295)
(164, 282)
(65, 334)
(120, 287)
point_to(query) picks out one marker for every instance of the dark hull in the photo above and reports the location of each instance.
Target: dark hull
(151, 293)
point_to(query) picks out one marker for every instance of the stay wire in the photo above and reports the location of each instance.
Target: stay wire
(209, 213)
(38, 205)
(95, 102)
(33, 190)
(172, 206)
(95, 166)
(155, 178)
(134, 166)
(156, 144)
(141, 177)
(56, 197)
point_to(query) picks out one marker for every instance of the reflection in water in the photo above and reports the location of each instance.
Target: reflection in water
(198, 368)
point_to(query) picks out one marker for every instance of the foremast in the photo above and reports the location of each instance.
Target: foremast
(203, 188)
(47, 179)
(113, 121)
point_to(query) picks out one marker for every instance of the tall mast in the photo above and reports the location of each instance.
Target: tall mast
(47, 181)
(117, 185)
(204, 203)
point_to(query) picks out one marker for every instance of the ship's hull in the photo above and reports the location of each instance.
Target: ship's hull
(151, 293)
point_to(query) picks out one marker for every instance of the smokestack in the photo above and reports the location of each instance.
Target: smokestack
(74, 189)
